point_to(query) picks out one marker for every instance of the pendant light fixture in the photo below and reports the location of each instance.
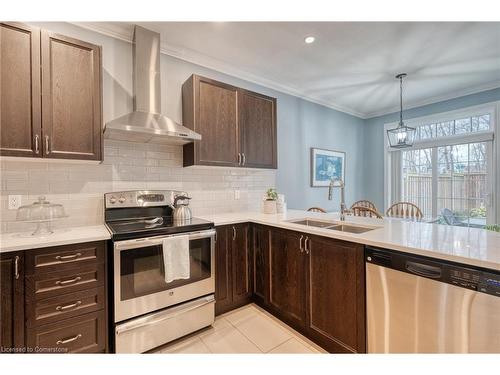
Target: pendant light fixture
(402, 136)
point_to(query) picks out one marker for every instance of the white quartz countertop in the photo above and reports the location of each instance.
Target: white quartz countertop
(471, 246)
(64, 236)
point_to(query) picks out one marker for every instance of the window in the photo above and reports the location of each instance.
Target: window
(448, 171)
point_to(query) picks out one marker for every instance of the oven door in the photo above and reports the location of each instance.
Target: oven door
(139, 274)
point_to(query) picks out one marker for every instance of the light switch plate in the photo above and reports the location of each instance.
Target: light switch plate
(236, 194)
(14, 202)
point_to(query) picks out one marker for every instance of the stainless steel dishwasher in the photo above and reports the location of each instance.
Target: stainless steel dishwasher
(421, 305)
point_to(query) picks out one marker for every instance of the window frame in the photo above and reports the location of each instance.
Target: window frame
(393, 157)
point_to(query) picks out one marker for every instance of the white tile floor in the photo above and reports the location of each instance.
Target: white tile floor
(246, 330)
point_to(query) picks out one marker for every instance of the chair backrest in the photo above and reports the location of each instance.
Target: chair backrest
(405, 210)
(365, 212)
(449, 217)
(316, 209)
(364, 203)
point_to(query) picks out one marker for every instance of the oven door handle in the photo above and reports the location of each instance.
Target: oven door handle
(154, 241)
(156, 318)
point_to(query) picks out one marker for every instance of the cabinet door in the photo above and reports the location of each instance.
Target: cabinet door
(257, 122)
(242, 291)
(336, 316)
(210, 108)
(260, 236)
(71, 101)
(12, 300)
(20, 114)
(223, 271)
(287, 281)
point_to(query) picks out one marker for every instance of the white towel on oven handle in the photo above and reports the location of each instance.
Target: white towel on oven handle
(176, 258)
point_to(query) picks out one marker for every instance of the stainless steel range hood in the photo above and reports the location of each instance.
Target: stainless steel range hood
(146, 123)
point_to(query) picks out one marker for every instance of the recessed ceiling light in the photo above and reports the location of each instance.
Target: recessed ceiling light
(309, 39)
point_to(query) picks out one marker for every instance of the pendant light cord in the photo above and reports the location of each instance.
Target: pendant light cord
(401, 100)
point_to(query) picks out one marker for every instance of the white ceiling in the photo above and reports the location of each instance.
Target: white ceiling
(350, 67)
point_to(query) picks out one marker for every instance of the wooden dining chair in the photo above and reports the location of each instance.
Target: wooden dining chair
(364, 203)
(316, 209)
(365, 212)
(405, 210)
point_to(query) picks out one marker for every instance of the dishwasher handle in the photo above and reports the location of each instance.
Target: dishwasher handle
(423, 270)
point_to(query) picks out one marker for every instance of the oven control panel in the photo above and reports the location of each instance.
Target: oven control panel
(140, 198)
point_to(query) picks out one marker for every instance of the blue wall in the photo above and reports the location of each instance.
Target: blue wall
(374, 137)
(301, 124)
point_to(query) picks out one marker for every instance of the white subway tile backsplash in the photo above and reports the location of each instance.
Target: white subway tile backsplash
(127, 166)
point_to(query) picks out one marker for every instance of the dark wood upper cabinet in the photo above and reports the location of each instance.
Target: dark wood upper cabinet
(210, 109)
(238, 127)
(336, 312)
(256, 116)
(20, 114)
(287, 293)
(11, 301)
(50, 95)
(71, 100)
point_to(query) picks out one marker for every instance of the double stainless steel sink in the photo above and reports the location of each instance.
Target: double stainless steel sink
(333, 225)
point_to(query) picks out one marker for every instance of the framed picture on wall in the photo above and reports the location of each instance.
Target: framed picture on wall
(325, 165)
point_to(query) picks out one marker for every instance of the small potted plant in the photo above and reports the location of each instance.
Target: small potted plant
(270, 201)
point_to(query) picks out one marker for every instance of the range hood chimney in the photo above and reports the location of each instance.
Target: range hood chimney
(146, 123)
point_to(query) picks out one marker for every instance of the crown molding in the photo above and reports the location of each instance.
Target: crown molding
(124, 31)
(436, 99)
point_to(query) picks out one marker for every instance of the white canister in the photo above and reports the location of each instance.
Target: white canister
(280, 207)
(269, 207)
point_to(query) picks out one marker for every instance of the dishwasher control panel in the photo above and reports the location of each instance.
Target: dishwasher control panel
(463, 276)
(466, 278)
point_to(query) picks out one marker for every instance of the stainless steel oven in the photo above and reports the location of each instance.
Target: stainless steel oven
(139, 275)
(151, 307)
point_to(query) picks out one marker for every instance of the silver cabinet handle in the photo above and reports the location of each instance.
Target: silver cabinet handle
(70, 306)
(154, 241)
(66, 282)
(66, 258)
(306, 246)
(244, 159)
(68, 340)
(234, 233)
(239, 158)
(47, 151)
(16, 267)
(37, 144)
(300, 244)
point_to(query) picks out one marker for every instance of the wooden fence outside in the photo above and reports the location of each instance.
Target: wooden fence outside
(458, 192)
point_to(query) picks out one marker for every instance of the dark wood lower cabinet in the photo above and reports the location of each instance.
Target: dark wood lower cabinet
(233, 286)
(11, 302)
(287, 267)
(260, 242)
(54, 300)
(82, 334)
(223, 274)
(336, 296)
(315, 284)
(241, 264)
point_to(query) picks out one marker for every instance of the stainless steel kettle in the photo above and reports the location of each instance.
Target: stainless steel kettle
(182, 212)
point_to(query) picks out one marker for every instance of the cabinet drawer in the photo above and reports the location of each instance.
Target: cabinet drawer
(63, 257)
(57, 283)
(82, 334)
(55, 309)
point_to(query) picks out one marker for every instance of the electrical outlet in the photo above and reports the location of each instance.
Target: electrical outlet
(14, 202)
(236, 194)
